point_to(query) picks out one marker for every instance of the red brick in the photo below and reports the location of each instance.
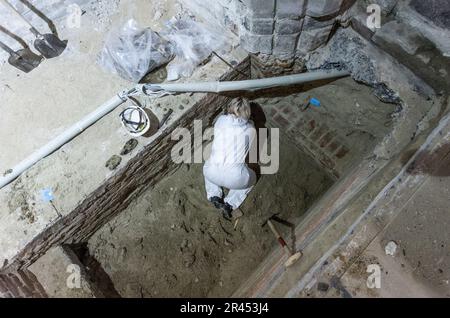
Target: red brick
(272, 112)
(333, 146)
(32, 282)
(10, 285)
(319, 133)
(26, 291)
(343, 151)
(311, 126)
(325, 140)
(301, 125)
(25, 278)
(281, 121)
(288, 111)
(3, 288)
(327, 162)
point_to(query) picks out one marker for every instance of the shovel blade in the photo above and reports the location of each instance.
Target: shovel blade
(49, 45)
(25, 60)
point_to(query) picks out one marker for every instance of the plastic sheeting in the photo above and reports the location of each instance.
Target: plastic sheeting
(193, 42)
(132, 52)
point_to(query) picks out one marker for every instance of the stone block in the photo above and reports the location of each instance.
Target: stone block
(285, 45)
(290, 9)
(312, 39)
(359, 24)
(313, 23)
(254, 43)
(437, 11)
(323, 8)
(259, 26)
(261, 8)
(398, 36)
(288, 26)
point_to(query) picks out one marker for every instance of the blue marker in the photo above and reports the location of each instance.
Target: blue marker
(47, 196)
(315, 102)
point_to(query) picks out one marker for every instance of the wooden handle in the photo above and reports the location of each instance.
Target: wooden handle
(5, 2)
(273, 228)
(7, 48)
(279, 237)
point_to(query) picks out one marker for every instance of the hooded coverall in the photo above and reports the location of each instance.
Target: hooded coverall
(226, 167)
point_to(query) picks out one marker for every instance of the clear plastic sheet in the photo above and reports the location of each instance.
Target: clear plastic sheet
(132, 52)
(193, 43)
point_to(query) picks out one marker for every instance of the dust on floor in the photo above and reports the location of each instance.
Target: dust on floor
(172, 243)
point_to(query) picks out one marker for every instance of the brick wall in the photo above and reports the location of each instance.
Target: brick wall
(322, 143)
(20, 284)
(143, 171)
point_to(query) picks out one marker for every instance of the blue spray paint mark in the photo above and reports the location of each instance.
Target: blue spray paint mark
(47, 195)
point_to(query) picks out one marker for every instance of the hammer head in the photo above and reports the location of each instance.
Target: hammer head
(270, 218)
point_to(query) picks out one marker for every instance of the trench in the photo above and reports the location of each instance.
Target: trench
(170, 241)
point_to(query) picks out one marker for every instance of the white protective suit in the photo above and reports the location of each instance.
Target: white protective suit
(226, 167)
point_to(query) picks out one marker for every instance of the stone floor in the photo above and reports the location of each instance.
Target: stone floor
(405, 235)
(420, 264)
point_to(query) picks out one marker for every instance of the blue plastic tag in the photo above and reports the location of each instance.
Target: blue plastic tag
(315, 102)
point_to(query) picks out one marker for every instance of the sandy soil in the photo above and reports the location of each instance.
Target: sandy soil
(172, 242)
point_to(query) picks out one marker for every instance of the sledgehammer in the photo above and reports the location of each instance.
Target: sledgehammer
(293, 257)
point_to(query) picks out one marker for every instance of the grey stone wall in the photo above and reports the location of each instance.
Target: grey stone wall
(286, 28)
(416, 33)
(282, 28)
(226, 13)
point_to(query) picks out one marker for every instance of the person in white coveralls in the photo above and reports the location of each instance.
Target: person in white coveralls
(234, 134)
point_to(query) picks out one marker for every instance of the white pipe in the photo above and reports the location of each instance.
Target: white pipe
(248, 85)
(214, 87)
(62, 139)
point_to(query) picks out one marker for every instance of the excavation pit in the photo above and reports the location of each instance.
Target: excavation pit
(169, 241)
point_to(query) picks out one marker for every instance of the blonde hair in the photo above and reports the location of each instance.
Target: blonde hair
(240, 107)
